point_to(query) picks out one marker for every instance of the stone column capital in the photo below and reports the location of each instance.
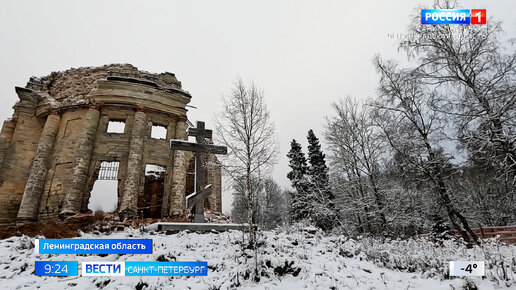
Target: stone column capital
(55, 112)
(141, 109)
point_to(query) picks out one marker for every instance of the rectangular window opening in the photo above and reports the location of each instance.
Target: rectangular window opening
(108, 170)
(116, 126)
(158, 132)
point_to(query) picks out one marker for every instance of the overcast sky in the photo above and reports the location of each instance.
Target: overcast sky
(303, 54)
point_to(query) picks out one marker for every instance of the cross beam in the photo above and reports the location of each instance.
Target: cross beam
(200, 132)
(196, 147)
(195, 197)
(196, 200)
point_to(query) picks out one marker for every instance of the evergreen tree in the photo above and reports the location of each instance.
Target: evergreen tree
(297, 163)
(300, 200)
(323, 202)
(313, 199)
(440, 230)
(318, 170)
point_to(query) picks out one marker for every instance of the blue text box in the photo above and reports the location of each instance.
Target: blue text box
(166, 268)
(445, 16)
(56, 268)
(94, 246)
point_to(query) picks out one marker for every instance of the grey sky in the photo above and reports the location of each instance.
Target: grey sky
(304, 54)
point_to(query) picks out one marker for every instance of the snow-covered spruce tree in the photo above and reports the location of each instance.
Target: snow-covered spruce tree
(440, 230)
(323, 199)
(318, 170)
(300, 199)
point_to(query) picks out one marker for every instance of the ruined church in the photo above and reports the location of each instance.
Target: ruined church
(60, 141)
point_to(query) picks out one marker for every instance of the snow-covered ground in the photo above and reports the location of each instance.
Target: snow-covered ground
(315, 261)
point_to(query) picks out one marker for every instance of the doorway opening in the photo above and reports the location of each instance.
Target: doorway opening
(150, 204)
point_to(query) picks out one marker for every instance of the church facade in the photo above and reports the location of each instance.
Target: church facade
(60, 141)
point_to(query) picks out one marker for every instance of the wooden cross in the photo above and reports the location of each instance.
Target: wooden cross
(195, 201)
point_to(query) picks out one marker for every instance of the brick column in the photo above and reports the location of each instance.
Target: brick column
(38, 172)
(129, 201)
(177, 202)
(81, 163)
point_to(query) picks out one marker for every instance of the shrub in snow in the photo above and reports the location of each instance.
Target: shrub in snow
(25, 243)
(432, 260)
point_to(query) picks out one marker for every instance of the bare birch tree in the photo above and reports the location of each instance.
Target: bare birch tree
(246, 128)
(356, 152)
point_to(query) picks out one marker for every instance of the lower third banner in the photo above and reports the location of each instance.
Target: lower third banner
(166, 268)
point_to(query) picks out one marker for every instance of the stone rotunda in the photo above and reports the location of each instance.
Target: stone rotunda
(60, 140)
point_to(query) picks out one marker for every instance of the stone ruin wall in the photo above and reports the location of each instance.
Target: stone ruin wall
(51, 149)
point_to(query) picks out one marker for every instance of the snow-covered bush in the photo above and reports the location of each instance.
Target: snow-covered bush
(431, 260)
